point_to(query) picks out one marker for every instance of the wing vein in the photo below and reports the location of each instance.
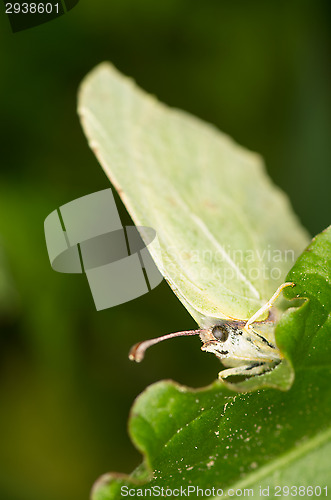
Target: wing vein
(228, 259)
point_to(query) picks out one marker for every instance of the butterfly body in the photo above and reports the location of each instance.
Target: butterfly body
(243, 350)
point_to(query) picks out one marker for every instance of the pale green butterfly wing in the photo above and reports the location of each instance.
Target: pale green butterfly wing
(227, 236)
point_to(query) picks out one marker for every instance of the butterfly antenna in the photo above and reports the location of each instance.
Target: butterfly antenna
(137, 352)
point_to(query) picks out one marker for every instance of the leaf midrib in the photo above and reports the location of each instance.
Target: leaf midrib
(283, 461)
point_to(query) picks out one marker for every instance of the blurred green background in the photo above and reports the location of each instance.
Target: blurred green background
(258, 70)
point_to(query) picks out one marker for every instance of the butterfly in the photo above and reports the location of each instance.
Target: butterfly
(226, 236)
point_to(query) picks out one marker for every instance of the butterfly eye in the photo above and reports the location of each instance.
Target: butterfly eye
(220, 332)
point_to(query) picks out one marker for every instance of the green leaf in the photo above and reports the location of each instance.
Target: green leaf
(267, 438)
(227, 236)
(311, 274)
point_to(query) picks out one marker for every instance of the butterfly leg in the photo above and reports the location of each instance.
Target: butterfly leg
(249, 369)
(268, 305)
